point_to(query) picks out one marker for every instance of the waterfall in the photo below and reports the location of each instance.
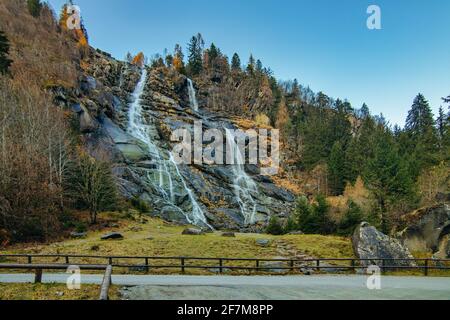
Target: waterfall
(168, 172)
(192, 95)
(243, 184)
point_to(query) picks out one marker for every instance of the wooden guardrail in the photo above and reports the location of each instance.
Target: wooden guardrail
(220, 264)
(254, 264)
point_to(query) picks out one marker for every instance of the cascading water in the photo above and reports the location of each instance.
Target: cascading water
(243, 184)
(168, 172)
(192, 95)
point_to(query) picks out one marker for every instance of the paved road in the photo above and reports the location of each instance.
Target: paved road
(261, 287)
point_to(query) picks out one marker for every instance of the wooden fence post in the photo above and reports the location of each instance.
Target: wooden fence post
(425, 269)
(107, 281)
(183, 265)
(38, 276)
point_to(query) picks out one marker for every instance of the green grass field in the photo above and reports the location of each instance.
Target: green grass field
(156, 237)
(52, 292)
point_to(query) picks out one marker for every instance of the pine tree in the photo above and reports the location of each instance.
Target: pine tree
(213, 53)
(236, 63)
(322, 100)
(321, 216)
(251, 65)
(129, 57)
(445, 133)
(423, 141)
(314, 219)
(195, 47)
(441, 123)
(361, 147)
(364, 113)
(259, 67)
(303, 211)
(420, 117)
(34, 7)
(5, 62)
(340, 128)
(295, 92)
(337, 169)
(387, 176)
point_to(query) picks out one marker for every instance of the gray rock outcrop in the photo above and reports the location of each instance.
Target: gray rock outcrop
(369, 243)
(428, 230)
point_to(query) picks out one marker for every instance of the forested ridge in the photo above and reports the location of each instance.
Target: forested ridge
(344, 163)
(329, 141)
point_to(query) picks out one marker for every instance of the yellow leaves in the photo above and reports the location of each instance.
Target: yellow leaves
(138, 60)
(282, 115)
(79, 34)
(178, 63)
(262, 120)
(63, 19)
(82, 40)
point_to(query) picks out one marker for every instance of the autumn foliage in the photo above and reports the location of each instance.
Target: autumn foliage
(138, 60)
(80, 34)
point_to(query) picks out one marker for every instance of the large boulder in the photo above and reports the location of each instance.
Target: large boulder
(427, 229)
(193, 232)
(369, 243)
(112, 236)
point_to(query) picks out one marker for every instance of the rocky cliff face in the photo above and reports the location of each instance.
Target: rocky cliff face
(127, 115)
(429, 231)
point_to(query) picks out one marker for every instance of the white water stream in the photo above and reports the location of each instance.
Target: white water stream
(192, 95)
(243, 184)
(168, 171)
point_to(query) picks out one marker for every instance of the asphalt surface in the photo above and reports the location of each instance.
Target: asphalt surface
(260, 287)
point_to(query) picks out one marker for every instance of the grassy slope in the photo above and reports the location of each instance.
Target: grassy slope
(167, 240)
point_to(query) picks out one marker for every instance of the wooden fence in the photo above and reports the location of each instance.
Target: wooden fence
(182, 264)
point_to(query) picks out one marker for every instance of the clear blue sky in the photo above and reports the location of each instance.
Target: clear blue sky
(323, 43)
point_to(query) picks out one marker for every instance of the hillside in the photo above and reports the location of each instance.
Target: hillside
(82, 130)
(154, 237)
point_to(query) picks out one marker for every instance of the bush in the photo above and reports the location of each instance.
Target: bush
(352, 218)
(314, 219)
(304, 215)
(290, 225)
(80, 227)
(140, 205)
(274, 227)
